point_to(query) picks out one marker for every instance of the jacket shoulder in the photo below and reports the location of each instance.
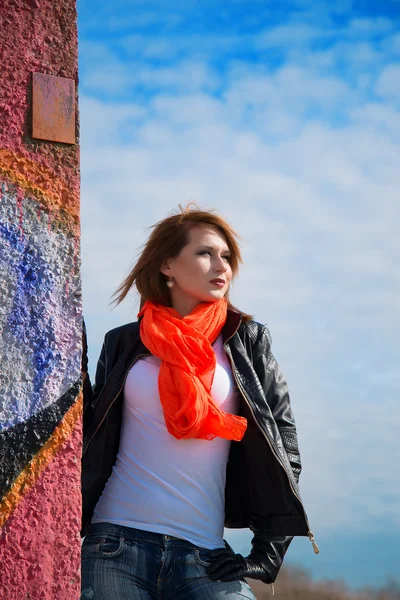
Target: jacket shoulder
(255, 332)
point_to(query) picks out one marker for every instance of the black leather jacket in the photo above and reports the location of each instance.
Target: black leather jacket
(263, 468)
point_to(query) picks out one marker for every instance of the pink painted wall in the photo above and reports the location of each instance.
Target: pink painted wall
(40, 315)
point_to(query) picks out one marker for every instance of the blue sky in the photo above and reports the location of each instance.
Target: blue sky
(285, 117)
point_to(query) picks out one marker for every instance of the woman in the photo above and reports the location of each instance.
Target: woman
(189, 428)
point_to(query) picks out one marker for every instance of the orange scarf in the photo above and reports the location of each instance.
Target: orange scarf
(184, 383)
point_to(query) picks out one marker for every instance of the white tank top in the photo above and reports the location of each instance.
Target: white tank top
(159, 483)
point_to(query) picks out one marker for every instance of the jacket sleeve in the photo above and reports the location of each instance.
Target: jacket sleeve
(277, 395)
(92, 393)
(86, 385)
(269, 550)
(269, 553)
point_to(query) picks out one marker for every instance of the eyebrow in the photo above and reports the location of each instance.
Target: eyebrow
(227, 251)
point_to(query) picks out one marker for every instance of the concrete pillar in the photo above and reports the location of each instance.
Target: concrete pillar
(40, 302)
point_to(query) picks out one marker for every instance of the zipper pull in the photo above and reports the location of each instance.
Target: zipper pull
(272, 590)
(312, 540)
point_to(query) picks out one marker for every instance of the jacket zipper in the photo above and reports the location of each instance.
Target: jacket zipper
(242, 391)
(113, 400)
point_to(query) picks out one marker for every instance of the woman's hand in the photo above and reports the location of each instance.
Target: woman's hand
(228, 566)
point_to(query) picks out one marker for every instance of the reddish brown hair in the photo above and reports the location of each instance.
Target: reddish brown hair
(166, 241)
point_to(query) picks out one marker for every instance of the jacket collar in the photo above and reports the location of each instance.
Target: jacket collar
(233, 320)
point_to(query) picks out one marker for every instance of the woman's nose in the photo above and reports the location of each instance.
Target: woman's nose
(222, 266)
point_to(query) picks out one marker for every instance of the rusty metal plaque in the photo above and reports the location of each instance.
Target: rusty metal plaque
(53, 108)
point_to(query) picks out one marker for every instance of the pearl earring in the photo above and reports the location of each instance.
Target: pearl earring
(170, 283)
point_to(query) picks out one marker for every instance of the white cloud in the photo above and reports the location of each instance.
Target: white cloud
(143, 20)
(187, 75)
(388, 84)
(370, 26)
(198, 46)
(106, 122)
(110, 76)
(292, 34)
(392, 44)
(380, 117)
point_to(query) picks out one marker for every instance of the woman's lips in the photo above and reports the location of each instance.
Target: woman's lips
(218, 282)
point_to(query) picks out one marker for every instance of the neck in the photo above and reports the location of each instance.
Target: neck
(184, 306)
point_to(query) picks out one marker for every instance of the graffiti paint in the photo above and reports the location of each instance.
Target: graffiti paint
(40, 315)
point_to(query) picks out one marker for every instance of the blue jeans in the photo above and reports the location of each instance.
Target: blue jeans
(122, 563)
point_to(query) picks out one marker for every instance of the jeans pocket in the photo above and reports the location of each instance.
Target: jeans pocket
(202, 557)
(112, 545)
(106, 546)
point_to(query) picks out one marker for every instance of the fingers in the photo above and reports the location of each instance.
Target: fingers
(225, 566)
(228, 577)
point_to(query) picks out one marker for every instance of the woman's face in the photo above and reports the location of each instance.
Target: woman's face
(202, 271)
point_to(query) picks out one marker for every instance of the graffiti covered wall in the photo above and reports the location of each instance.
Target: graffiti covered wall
(40, 308)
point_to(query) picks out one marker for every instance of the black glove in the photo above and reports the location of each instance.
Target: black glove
(228, 566)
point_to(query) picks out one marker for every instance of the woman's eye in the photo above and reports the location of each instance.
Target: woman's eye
(202, 252)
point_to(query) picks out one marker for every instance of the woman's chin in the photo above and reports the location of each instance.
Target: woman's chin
(215, 295)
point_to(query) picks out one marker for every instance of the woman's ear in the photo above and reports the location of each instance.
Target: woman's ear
(166, 268)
